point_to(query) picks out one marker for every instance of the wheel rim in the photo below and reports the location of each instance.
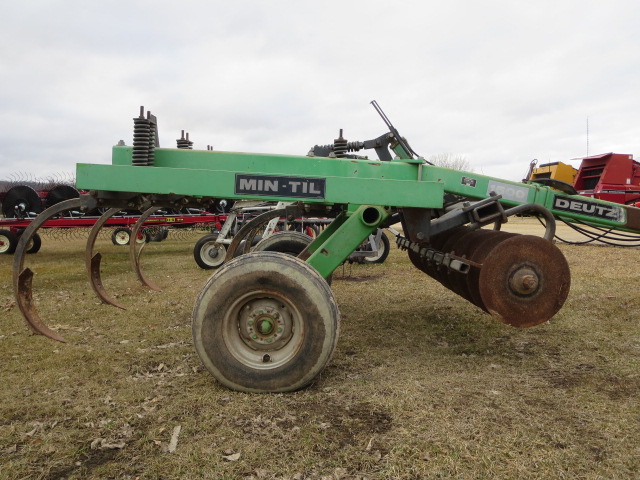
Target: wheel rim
(122, 238)
(213, 255)
(4, 244)
(379, 252)
(263, 330)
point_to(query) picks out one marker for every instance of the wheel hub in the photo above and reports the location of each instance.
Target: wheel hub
(524, 281)
(265, 324)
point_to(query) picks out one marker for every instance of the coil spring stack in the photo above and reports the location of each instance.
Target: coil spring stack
(145, 139)
(183, 142)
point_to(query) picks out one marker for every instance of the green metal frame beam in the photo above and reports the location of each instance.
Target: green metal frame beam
(215, 174)
(571, 207)
(199, 173)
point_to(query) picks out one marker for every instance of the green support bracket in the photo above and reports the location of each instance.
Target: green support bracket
(326, 234)
(343, 236)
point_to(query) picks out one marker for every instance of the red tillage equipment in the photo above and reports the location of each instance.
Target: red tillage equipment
(153, 227)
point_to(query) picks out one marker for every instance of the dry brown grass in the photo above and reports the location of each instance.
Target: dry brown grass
(423, 384)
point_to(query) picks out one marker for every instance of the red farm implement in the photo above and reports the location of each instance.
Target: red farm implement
(613, 177)
(153, 228)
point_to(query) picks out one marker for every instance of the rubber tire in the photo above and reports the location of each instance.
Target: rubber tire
(204, 245)
(291, 243)
(383, 252)
(8, 242)
(265, 276)
(239, 251)
(158, 235)
(118, 239)
(36, 243)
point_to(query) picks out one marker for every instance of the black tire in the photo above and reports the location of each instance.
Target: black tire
(8, 242)
(121, 236)
(265, 322)
(291, 243)
(35, 244)
(207, 254)
(157, 234)
(240, 250)
(383, 251)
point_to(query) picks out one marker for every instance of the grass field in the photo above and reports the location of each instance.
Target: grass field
(422, 385)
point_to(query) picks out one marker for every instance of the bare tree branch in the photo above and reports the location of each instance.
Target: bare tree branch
(448, 160)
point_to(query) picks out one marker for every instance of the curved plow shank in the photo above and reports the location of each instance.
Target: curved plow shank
(93, 261)
(22, 278)
(24, 299)
(135, 256)
(249, 231)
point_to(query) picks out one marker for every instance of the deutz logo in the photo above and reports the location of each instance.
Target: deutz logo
(590, 208)
(280, 186)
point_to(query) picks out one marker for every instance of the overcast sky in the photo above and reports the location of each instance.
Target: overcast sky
(498, 82)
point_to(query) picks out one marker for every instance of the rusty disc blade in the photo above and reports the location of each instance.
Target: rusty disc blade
(463, 248)
(441, 273)
(486, 242)
(416, 260)
(525, 281)
(438, 243)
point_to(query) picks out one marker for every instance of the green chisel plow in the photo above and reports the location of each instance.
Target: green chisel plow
(267, 321)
